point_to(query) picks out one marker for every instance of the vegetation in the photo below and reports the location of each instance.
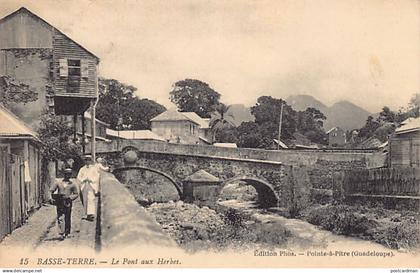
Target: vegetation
(388, 120)
(122, 109)
(56, 138)
(195, 96)
(262, 132)
(395, 229)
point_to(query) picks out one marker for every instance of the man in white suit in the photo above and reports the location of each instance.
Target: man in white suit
(88, 178)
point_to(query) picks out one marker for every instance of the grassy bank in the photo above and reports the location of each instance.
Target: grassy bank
(394, 229)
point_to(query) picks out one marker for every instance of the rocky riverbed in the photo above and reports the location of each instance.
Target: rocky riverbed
(201, 228)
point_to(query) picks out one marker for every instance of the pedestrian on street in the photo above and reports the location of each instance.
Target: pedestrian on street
(88, 178)
(63, 193)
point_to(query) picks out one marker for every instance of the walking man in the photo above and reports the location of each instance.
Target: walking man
(64, 192)
(88, 178)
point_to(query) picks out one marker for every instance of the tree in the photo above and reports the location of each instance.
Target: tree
(56, 139)
(414, 105)
(249, 135)
(221, 127)
(310, 123)
(191, 95)
(122, 109)
(369, 128)
(142, 111)
(267, 115)
(386, 115)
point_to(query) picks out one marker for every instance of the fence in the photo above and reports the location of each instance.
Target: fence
(12, 192)
(395, 188)
(383, 181)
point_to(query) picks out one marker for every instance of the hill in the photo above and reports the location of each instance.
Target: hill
(239, 113)
(344, 114)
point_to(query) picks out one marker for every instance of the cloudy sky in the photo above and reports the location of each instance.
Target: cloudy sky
(364, 51)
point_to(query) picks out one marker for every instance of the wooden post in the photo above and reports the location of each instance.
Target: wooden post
(281, 117)
(83, 134)
(74, 128)
(93, 129)
(26, 179)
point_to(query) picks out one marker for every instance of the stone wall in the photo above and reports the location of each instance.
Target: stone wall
(31, 67)
(124, 223)
(321, 165)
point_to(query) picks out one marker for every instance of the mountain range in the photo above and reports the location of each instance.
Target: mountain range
(344, 114)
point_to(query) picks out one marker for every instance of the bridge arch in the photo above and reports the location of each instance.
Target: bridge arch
(267, 196)
(170, 178)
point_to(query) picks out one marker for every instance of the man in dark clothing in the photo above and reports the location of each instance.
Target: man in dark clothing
(64, 192)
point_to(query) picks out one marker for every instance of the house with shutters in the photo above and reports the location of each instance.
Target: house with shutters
(336, 137)
(62, 73)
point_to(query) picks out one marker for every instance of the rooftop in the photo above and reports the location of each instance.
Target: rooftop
(134, 134)
(174, 115)
(12, 127)
(33, 15)
(408, 126)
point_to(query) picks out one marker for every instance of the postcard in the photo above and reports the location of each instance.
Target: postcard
(209, 134)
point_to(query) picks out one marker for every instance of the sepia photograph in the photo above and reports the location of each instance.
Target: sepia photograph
(209, 134)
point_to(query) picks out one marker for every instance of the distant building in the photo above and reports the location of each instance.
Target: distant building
(336, 137)
(181, 127)
(133, 134)
(280, 144)
(225, 145)
(404, 144)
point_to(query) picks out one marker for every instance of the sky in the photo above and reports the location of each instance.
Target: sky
(363, 51)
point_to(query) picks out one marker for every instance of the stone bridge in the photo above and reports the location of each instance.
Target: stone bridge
(273, 181)
(281, 178)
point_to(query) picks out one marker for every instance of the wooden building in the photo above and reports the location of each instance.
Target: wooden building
(21, 187)
(62, 72)
(404, 145)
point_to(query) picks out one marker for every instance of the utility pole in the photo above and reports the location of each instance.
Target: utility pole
(280, 121)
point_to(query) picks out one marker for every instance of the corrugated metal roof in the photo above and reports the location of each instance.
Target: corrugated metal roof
(409, 125)
(134, 134)
(173, 115)
(225, 145)
(284, 146)
(334, 128)
(204, 123)
(12, 126)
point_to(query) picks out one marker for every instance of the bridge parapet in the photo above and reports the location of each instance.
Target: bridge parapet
(123, 222)
(274, 182)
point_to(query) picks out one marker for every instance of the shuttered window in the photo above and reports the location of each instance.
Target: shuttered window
(64, 69)
(84, 68)
(74, 67)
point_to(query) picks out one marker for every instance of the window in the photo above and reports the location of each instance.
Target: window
(73, 67)
(73, 75)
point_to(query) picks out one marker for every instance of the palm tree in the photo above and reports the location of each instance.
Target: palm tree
(218, 121)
